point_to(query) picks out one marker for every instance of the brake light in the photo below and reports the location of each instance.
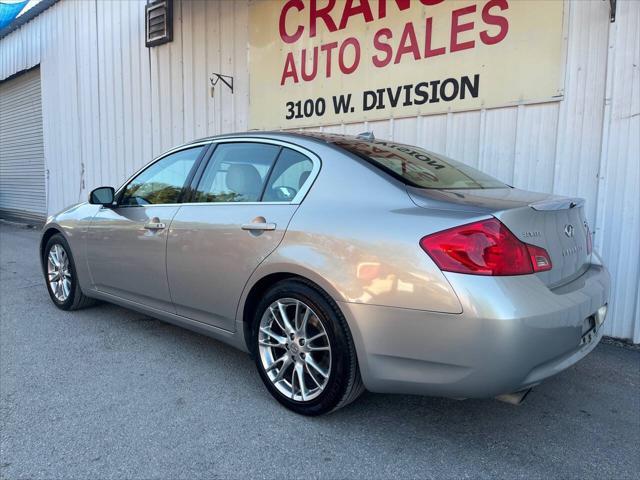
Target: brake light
(486, 247)
(589, 239)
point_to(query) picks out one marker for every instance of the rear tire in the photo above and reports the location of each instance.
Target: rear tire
(303, 349)
(61, 276)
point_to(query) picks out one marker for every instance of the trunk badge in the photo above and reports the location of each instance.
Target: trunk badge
(568, 230)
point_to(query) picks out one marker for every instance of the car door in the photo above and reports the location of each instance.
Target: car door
(240, 209)
(126, 244)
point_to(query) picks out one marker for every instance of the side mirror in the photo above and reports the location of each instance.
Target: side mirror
(102, 196)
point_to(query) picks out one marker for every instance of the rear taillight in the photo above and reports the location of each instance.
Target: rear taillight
(486, 247)
(540, 259)
(589, 239)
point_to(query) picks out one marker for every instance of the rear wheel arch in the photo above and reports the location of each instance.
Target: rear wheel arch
(258, 290)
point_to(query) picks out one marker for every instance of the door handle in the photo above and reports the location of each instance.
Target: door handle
(154, 224)
(258, 226)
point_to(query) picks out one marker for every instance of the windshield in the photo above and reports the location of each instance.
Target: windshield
(417, 167)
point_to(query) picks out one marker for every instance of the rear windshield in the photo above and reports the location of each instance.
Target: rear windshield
(417, 167)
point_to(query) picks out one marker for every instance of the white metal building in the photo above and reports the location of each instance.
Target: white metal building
(84, 102)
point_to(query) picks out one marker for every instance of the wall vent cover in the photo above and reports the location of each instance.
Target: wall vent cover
(158, 22)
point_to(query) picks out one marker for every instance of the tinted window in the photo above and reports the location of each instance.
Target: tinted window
(289, 175)
(236, 173)
(418, 167)
(162, 181)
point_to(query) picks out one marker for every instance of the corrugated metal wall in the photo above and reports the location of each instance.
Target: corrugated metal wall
(618, 197)
(110, 105)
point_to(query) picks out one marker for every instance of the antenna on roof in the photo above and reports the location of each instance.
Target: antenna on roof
(368, 136)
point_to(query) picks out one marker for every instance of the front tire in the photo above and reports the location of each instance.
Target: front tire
(303, 349)
(61, 276)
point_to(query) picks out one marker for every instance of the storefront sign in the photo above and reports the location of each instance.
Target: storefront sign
(323, 62)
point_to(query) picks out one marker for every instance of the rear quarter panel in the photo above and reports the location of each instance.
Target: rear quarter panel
(357, 234)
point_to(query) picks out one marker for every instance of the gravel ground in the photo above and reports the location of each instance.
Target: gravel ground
(110, 393)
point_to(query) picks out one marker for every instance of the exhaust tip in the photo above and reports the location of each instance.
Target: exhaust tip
(515, 398)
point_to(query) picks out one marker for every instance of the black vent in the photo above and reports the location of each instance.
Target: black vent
(158, 22)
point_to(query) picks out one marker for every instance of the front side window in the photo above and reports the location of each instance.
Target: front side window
(237, 172)
(163, 181)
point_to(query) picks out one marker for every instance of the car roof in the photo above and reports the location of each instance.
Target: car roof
(320, 137)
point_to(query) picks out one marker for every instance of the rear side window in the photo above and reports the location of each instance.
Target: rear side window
(237, 172)
(417, 167)
(288, 177)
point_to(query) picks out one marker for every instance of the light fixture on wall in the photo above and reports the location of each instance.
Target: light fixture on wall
(217, 77)
(612, 10)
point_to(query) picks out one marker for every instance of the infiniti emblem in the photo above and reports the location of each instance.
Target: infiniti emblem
(568, 230)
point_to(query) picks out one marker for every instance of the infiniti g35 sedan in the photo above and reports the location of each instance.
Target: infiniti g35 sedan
(341, 264)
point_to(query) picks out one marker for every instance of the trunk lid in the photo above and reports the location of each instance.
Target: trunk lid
(552, 222)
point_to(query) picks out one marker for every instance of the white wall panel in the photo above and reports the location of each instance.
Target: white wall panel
(535, 156)
(110, 105)
(579, 124)
(498, 152)
(463, 137)
(618, 215)
(432, 133)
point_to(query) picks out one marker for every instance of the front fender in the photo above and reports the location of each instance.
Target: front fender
(72, 223)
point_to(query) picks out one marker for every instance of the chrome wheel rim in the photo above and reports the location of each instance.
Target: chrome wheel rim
(294, 349)
(59, 272)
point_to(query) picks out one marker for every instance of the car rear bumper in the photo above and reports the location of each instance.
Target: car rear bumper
(513, 333)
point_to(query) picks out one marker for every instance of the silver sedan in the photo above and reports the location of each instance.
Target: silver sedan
(342, 263)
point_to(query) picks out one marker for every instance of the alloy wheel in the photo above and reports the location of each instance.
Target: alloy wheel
(59, 272)
(295, 350)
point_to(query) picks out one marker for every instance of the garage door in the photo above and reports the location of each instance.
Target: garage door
(22, 178)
